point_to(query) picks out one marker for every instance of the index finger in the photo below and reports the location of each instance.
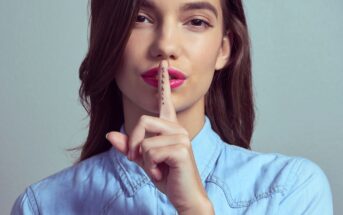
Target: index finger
(167, 109)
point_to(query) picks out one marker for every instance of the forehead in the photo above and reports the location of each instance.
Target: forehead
(213, 6)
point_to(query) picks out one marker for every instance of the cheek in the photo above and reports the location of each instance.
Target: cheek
(203, 50)
(138, 45)
(140, 39)
(134, 51)
(203, 56)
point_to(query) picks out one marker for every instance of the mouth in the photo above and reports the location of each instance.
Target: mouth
(177, 78)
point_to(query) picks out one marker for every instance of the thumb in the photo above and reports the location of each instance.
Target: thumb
(118, 140)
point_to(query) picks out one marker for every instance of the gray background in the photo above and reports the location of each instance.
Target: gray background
(298, 73)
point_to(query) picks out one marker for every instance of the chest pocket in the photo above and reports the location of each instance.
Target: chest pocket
(245, 194)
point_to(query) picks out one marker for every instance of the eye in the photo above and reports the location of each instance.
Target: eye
(142, 19)
(200, 23)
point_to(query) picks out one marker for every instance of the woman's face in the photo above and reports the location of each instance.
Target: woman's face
(187, 33)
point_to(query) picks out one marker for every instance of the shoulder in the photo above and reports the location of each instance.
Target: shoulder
(247, 177)
(91, 171)
(88, 181)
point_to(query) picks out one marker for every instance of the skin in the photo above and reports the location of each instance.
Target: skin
(159, 135)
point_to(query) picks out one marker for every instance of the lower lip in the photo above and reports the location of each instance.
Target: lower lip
(174, 83)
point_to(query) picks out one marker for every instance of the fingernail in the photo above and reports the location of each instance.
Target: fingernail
(129, 156)
(107, 136)
(156, 178)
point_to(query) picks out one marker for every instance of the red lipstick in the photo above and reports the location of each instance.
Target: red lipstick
(177, 78)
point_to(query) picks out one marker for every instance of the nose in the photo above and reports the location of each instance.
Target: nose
(165, 44)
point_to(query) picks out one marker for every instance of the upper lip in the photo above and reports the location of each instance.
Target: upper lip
(173, 73)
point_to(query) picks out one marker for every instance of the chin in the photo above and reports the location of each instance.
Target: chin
(150, 108)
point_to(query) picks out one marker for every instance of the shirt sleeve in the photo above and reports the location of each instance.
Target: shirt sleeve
(309, 191)
(25, 204)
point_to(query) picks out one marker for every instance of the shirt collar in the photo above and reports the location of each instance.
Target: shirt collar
(205, 146)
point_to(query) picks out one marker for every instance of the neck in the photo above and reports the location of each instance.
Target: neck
(191, 118)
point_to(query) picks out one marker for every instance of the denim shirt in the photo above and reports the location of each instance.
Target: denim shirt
(237, 181)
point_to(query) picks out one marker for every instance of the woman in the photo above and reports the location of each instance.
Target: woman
(167, 85)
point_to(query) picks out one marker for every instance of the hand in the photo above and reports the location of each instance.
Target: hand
(166, 157)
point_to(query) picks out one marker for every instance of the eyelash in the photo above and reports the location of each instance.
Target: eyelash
(204, 23)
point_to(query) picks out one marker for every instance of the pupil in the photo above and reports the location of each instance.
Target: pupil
(197, 21)
(140, 18)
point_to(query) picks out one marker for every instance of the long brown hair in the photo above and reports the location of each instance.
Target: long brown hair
(228, 103)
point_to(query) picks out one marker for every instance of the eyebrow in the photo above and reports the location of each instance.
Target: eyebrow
(202, 5)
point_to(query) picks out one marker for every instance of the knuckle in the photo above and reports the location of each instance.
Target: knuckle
(185, 132)
(183, 152)
(143, 119)
(149, 158)
(150, 154)
(145, 145)
(183, 139)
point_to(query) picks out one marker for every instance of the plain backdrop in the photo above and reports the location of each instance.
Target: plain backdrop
(297, 70)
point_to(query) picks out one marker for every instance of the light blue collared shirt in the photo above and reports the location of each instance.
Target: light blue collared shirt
(237, 181)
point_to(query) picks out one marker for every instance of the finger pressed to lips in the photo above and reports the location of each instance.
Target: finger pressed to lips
(167, 109)
(166, 124)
